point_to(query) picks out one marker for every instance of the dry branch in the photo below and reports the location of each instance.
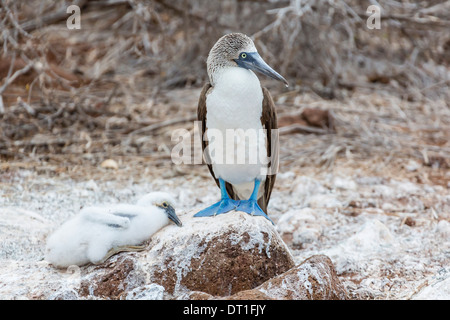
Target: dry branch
(18, 73)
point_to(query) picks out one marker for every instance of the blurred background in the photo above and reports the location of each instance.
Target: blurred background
(118, 86)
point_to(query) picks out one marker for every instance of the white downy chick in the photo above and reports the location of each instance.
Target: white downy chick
(89, 235)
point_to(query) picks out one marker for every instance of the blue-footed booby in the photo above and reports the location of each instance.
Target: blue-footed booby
(97, 233)
(235, 100)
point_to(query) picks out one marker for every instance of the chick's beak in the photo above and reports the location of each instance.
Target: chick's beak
(173, 216)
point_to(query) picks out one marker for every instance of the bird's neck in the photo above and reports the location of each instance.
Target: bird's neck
(236, 81)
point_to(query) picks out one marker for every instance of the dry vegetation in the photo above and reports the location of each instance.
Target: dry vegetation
(107, 88)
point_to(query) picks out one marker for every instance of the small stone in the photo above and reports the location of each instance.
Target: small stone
(443, 228)
(410, 222)
(109, 164)
(412, 166)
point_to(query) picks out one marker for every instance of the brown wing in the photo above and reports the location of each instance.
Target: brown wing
(269, 122)
(201, 116)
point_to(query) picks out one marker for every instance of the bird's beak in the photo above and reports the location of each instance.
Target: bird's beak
(172, 216)
(254, 62)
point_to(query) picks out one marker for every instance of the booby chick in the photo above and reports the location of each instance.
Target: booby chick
(234, 101)
(97, 233)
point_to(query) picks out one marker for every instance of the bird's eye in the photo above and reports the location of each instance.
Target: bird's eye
(165, 204)
(243, 55)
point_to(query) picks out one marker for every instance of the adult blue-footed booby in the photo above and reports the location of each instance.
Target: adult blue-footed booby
(235, 100)
(97, 233)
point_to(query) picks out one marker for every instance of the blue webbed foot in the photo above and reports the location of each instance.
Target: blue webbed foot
(223, 206)
(251, 207)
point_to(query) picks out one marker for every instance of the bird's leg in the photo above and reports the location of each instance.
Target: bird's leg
(224, 205)
(251, 206)
(119, 249)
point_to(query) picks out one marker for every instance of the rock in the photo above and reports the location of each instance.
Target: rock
(113, 279)
(195, 295)
(109, 164)
(305, 236)
(344, 183)
(253, 294)
(324, 201)
(388, 207)
(309, 117)
(412, 166)
(437, 288)
(21, 230)
(147, 292)
(354, 253)
(373, 236)
(295, 219)
(443, 229)
(298, 227)
(219, 256)
(314, 279)
(306, 187)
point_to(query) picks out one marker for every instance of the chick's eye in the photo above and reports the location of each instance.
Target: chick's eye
(243, 55)
(165, 204)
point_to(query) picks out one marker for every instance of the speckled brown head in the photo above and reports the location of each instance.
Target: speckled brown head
(237, 50)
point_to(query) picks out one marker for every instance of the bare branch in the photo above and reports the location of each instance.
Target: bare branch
(16, 74)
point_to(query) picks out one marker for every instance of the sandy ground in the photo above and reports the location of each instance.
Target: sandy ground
(387, 234)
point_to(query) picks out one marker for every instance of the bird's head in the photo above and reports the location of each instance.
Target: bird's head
(238, 50)
(163, 201)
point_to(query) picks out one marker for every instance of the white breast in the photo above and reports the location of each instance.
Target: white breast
(236, 103)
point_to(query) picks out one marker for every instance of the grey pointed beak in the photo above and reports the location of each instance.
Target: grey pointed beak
(173, 216)
(253, 61)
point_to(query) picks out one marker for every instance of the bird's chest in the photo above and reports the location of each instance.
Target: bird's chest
(235, 101)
